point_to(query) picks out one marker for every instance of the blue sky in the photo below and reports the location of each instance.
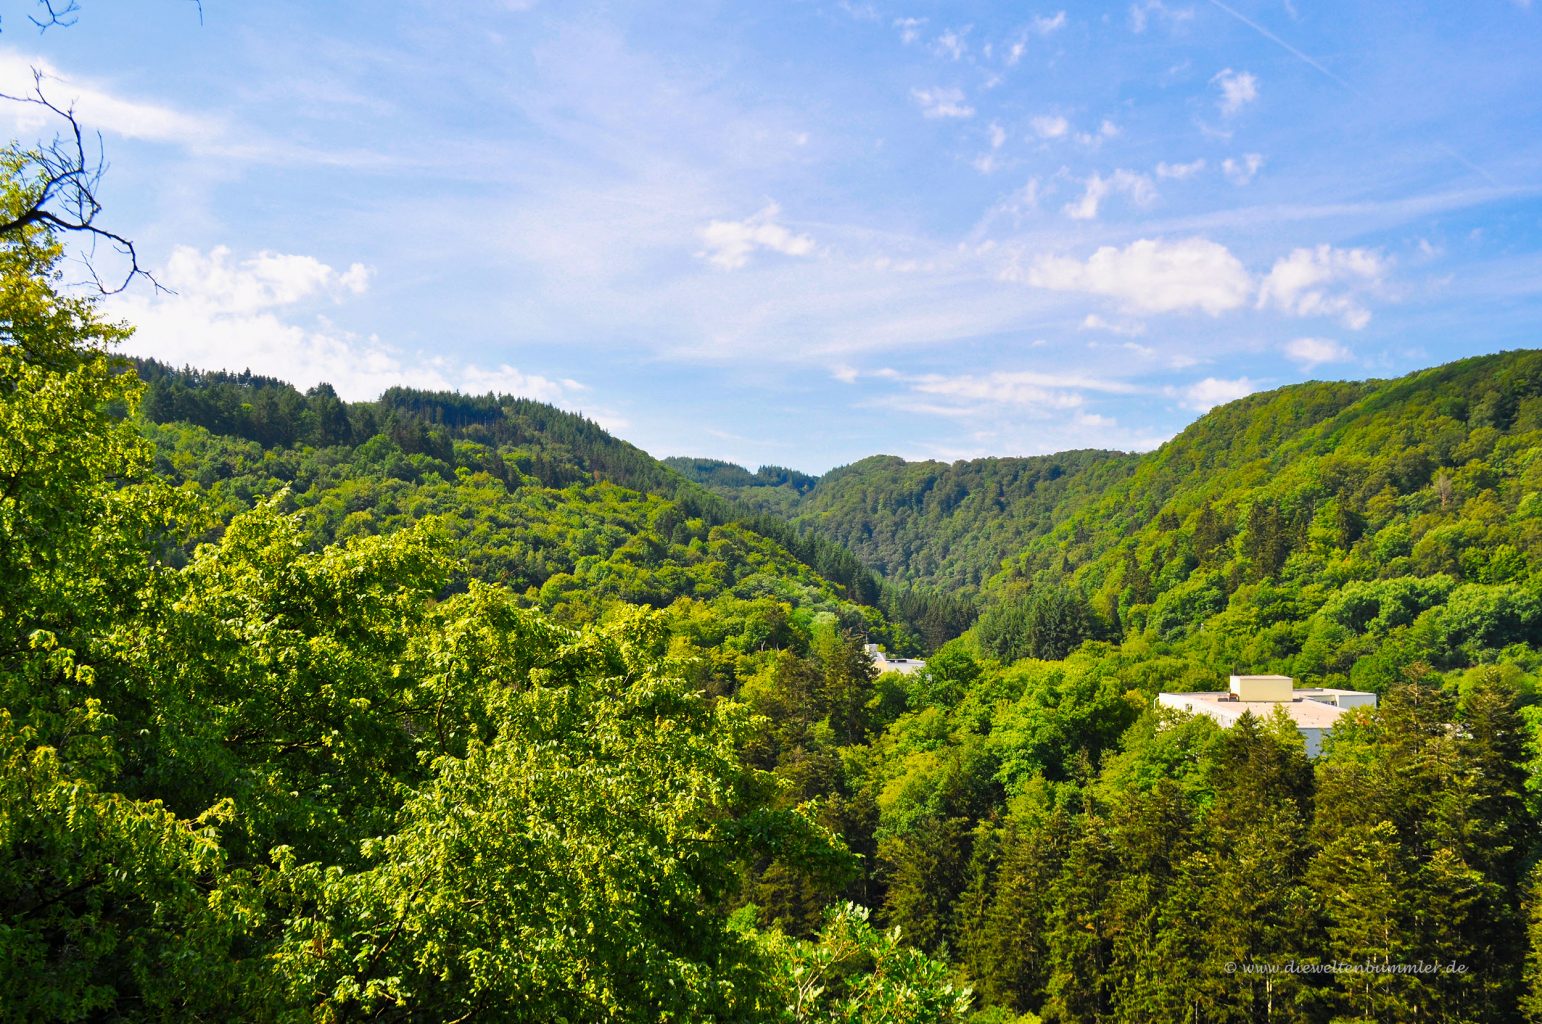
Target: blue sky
(805, 232)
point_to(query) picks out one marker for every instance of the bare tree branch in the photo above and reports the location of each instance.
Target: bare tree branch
(64, 13)
(61, 14)
(64, 195)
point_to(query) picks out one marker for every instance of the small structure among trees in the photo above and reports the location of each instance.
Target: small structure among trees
(1313, 710)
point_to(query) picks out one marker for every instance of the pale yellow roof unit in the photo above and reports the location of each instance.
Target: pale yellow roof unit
(1263, 688)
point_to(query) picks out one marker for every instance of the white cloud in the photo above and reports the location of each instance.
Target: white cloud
(1011, 386)
(1142, 13)
(1025, 391)
(1238, 89)
(1179, 172)
(96, 107)
(1204, 395)
(909, 29)
(1045, 25)
(1240, 172)
(1106, 130)
(259, 313)
(859, 12)
(730, 242)
(1016, 389)
(1050, 126)
(1137, 186)
(942, 102)
(1042, 26)
(1151, 275)
(845, 374)
(99, 107)
(951, 44)
(1086, 208)
(1324, 281)
(1019, 411)
(987, 163)
(264, 281)
(1314, 352)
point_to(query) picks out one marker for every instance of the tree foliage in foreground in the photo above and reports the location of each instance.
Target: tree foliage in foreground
(277, 781)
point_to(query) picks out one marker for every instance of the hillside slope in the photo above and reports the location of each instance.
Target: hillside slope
(930, 524)
(538, 499)
(1343, 530)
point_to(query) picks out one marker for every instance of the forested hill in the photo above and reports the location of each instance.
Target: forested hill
(540, 499)
(768, 489)
(929, 523)
(1327, 530)
(1338, 531)
(542, 441)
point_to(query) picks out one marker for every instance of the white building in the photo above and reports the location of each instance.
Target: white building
(1314, 710)
(904, 666)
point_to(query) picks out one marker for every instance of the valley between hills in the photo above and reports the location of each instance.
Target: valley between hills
(449, 706)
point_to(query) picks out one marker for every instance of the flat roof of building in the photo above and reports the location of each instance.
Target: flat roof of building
(1226, 709)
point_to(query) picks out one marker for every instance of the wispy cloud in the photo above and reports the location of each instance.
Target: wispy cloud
(1180, 172)
(1311, 353)
(953, 43)
(909, 29)
(730, 243)
(1097, 188)
(1242, 170)
(1019, 387)
(1045, 25)
(218, 139)
(982, 397)
(99, 106)
(266, 313)
(1017, 411)
(942, 102)
(1013, 209)
(858, 11)
(1127, 329)
(1016, 49)
(1050, 126)
(1238, 89)
(1142, 14)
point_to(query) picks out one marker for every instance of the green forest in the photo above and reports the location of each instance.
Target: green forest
(448, 707)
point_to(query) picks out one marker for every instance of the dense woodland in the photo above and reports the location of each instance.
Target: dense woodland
(940, 525)
(446, 707)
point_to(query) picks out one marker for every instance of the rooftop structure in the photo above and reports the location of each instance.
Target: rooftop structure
(884, 663)
(1314, 710)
